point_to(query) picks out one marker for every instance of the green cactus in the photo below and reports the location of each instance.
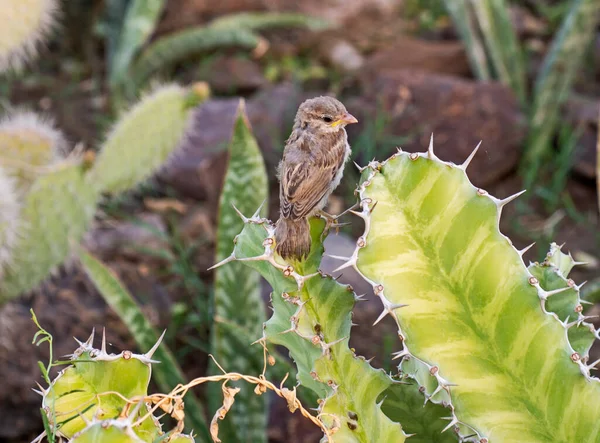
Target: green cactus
(476, 325)
(59, 202)
(143, 138)
(86, 389)
(24, 25)
(312, 319)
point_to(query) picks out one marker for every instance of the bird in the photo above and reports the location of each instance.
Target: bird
(311, 168)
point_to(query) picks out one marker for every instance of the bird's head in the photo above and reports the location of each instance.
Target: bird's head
(323, 115)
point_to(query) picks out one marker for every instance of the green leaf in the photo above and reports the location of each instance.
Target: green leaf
(237, 296)
(140, 21)
(168, 373)
(474, 317)
(175, 47)
(561, 65)
(55, 215)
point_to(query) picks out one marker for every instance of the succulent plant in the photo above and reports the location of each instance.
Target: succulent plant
(9, 218)
(502, 346)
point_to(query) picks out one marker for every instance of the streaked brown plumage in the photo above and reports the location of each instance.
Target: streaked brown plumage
(312, 167)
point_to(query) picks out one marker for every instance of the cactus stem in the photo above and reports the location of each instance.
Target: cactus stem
(223, 262)
(153, 349)
(430, 154)
(525, 249)
(466, 163)
(504, 202)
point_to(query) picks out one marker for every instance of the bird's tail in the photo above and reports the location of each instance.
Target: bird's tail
(292, 238)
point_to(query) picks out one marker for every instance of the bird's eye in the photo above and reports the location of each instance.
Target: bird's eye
(327, 119)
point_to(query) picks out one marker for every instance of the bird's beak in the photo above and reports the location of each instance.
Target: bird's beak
(347, 119)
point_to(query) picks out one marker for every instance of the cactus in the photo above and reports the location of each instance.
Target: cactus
(312, 319)
(237, 298)
(25, 23)
(143, 138)
(59, 203)
(9, 218)
(29, 144)
(477, 326)
(95, 386)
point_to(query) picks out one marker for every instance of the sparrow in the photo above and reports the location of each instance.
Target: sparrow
(311, 168)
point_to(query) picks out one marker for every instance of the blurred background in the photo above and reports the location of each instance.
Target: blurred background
(523, 78)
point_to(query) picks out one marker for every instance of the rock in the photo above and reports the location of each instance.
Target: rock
(460, 113)
(342, 55)
(126, 238)
(444, 57)
(228, 74)
(196, 169)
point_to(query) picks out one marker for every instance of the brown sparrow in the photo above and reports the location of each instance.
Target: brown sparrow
(312, 167)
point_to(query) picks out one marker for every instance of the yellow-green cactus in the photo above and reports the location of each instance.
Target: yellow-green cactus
(29, 145)
(477, 326)
(93, 387)
(25, 23)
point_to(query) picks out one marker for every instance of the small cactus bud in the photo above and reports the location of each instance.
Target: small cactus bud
(271, 360)
(533, 281)
(413, 156)
(126, 355)
(433, 370)
(575, 357)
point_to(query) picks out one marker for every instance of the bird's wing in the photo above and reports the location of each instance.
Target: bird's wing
(305, 181)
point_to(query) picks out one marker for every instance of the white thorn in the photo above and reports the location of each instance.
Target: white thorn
(222, 262)
(591, 365)
(338, 257)
(257, 213)
(385, 312)
(510, 198)
(348, 264)
(451, 424)
(360, 168)
(430, 152)
(90, 340)
(400, 354)
(103, 348)
(465, 164)
(152, 350)
(555, 291)
(525, 249)
(242, 216)
(585, 302)
(578, 287)
(579, 263)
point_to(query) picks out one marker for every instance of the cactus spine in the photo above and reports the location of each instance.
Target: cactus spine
(476, 325)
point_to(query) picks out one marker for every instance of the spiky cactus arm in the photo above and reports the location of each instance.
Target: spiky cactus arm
(553, 275)
(312, 319)
(72, 400)
(475, 323)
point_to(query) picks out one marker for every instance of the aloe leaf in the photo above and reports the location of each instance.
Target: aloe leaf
(312, 319)
(501, 43)
(168, 373)
(476, 327)
(175, 47)
(140, 20)
(555, 80)
(56, 213)
(257, 21)
(237, 296)
(467, 29)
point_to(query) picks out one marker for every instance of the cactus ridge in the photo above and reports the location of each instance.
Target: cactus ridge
(9, 219)
(311, 318)
(473, 383)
